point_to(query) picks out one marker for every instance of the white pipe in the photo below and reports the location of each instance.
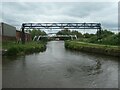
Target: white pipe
(38, 38)
(34, 38)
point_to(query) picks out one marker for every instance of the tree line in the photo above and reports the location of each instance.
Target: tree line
(107, 37)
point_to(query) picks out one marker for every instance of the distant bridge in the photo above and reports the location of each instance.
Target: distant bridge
(96, 26)
(51, 33)
(54, 36)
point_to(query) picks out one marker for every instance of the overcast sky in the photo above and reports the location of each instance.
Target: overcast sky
(15, 13)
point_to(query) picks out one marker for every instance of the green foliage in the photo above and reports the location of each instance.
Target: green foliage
(64, 32)
(111, 40)
(104, 33)
(93, 39)
(68, 32)
(79, 35)
(118, 36)
(18, 49)
(12, 51)
(87, 35)
(107, 38)
(36, 32)
(95, 48)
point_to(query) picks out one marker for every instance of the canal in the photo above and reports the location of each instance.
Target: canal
(60, 68)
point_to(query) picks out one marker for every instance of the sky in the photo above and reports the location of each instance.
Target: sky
(16, 13)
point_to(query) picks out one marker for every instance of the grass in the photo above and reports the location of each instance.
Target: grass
(14, 48)
(95, 48)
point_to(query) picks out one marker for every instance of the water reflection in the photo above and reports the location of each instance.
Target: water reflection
(60, 68)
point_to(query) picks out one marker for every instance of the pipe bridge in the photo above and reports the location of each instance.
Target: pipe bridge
(96, 26)
(37, 38)
(62, 25)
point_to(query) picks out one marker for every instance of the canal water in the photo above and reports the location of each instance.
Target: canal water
(60, 68)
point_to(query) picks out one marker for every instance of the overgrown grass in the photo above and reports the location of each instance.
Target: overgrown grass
(106, 40)
(95, 48)
(14, 48)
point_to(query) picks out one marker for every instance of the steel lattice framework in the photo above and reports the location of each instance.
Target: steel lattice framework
(58, 26)
(62, 25)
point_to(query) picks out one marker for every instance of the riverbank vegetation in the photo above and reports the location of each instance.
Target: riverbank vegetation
(13, 48)
(93, 48)
(106, 37)
(104, 42)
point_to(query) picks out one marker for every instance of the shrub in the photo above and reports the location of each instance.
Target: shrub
(31, 47)
(12, 50)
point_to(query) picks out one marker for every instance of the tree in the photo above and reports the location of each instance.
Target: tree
(68, 32)
(79, 35)
(36, 32)
(87, 35)
(104, 33)
(64, 32)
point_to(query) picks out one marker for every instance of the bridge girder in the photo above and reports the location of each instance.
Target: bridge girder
(62, 25)
(58, 26)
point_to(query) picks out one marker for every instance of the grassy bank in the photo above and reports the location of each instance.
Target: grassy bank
(93, 48)
(13, 48)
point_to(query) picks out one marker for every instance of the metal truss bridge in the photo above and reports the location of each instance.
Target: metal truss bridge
(62, 25)
(96, 26)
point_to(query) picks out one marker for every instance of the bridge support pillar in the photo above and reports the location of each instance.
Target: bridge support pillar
(99, 34)
(23, 35)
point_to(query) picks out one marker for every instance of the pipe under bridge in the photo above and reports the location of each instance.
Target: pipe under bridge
(54, 36)
(96, 26)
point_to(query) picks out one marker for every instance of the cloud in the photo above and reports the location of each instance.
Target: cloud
(61, 1)
(15, 13)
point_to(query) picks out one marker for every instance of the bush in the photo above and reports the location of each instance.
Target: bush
(12, 50)
(95, 48)
(31, 47)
